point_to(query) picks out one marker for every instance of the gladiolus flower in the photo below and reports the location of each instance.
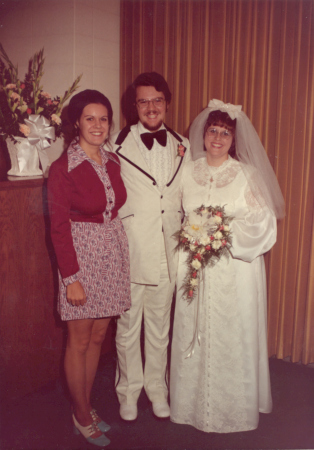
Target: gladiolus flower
(208, 247)
(29, 111)
(190, 294)
(22, 86)
(25, 129)
(56, 119)
(15, 96)
(198, 256)
(45, 94)
(224, 242)
(194, 274)
(49, 101)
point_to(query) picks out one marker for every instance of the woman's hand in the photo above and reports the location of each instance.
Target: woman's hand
(76, 294)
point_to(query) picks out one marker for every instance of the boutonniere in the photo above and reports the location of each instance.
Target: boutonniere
(181, 150)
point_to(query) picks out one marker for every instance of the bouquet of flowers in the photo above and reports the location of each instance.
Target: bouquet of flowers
(20, 99)
(206, 236)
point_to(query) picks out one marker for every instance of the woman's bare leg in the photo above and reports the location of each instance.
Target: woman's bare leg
(98, 335)
(79, 336)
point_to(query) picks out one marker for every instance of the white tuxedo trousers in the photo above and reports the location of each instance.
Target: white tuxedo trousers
(155, 303)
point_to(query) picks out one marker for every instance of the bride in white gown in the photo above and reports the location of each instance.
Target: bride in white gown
(224, 382)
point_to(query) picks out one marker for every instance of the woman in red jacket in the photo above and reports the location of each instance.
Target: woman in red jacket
(85, 193)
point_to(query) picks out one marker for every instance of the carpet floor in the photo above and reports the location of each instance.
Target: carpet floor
(42, 420)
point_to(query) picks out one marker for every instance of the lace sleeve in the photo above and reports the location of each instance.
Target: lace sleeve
(254, 198)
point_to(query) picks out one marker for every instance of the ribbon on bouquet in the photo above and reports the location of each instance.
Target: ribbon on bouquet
(198, 300)
(40, 132)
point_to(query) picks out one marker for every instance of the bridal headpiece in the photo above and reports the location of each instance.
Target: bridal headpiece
(249, 151)
(232, 110)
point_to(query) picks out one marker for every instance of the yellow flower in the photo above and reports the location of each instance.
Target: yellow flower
(22, 108)
(216, 245)
(218, 235)
(196, 264)
(205, 240)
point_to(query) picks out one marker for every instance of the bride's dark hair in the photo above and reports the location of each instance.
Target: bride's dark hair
(222, 119)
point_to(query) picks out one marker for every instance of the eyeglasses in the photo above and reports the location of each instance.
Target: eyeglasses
(224, 134)
(157, 102)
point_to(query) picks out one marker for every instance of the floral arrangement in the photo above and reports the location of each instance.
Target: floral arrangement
(181, 150)
(20, 99)
(206, 236)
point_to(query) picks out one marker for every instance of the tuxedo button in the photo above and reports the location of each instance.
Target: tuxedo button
(162, 196)
(162, 211)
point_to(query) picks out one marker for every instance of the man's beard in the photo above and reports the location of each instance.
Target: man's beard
(154, 128)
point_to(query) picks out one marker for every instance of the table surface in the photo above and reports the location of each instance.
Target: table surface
(7, 183)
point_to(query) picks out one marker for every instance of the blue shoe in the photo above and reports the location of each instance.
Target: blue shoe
(101, 424)
(88, 431)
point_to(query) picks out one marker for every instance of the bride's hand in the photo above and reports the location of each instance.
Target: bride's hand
(76, 294)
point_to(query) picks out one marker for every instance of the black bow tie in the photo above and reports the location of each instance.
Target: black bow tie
(160, 136)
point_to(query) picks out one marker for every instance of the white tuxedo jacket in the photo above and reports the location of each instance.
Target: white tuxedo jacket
(147, 212)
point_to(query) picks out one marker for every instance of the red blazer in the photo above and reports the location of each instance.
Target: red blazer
(78, 196)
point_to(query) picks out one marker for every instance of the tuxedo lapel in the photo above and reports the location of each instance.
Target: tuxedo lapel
(128, 150)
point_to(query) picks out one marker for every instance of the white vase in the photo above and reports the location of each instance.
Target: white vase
(24, 158)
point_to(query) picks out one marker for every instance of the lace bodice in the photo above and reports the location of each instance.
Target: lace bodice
(204, 174)
(223, 185)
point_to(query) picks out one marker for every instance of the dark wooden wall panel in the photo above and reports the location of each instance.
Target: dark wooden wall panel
(31, 334)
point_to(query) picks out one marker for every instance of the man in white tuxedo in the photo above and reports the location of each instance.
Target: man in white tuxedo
(152, 158)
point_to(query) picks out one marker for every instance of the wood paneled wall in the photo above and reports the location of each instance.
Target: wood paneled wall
(31, 333)
(32, 336)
